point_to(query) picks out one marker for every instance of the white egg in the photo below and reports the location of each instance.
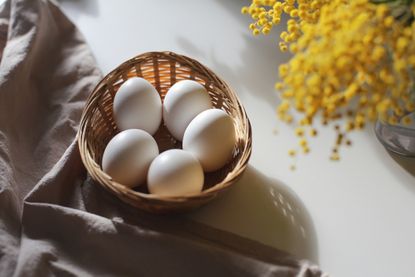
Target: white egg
(183, 101)
(137, 105)
(211, 138)
(128, 156)
(175, 173)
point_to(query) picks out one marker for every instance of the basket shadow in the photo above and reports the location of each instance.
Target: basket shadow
(265, 210)
(257, 208)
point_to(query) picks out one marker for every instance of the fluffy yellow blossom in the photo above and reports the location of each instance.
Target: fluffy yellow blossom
(352, 59)
(267, 14)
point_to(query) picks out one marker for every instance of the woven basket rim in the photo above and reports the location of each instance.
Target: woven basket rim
(104, 179)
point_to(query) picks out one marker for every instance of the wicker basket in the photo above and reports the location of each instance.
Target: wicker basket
(162, 69)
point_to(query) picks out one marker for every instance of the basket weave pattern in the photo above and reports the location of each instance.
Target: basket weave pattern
(162, 70)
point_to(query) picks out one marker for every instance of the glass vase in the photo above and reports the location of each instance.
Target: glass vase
(398, 138)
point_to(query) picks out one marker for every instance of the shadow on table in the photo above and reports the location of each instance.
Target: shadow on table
(89, 7)
(266, 210)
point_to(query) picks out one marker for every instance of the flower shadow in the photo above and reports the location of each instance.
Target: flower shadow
(260, 56)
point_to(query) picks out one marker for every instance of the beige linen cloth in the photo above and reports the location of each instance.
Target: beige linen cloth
(53, 220)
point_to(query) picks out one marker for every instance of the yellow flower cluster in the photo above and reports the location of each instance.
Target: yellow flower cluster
(268, 13)
(353, 59)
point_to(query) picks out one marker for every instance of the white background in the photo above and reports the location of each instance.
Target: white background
(355, 217)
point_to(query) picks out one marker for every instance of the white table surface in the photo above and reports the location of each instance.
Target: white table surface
(355, 217)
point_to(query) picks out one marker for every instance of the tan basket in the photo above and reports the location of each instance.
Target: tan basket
(162, 69)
